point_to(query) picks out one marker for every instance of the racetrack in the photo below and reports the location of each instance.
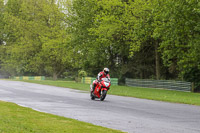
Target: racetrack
(123, 113)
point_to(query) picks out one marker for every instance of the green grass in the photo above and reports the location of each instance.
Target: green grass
(157, 94)
(16, 119)
(145, 93)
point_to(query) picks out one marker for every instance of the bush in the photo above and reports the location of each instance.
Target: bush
(82, 74)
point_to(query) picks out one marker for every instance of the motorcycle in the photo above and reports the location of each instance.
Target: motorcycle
(101, 89)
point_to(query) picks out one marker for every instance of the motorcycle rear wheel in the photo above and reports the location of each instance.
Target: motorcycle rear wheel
(92, 96)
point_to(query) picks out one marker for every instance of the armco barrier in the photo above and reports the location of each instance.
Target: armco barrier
(166, 84)
(29, 77)
(89, 80)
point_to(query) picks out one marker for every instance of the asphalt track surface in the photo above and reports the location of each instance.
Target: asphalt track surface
(122, 113)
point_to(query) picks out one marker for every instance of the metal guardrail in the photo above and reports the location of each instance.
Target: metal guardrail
(89, 80)
(166, 84)
(2, 77)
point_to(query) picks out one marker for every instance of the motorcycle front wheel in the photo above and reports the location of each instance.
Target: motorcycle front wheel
(103, 95)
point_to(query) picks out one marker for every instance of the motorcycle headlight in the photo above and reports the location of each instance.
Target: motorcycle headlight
(106, 84)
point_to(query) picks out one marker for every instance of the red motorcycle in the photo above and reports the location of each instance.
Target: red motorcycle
(101, 89)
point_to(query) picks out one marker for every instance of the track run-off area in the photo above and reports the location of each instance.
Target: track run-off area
(127, 114)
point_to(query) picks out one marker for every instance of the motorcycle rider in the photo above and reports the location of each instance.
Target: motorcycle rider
(102, 74)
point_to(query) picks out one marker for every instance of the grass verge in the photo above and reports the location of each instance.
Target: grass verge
(16, 119)
(145, 93)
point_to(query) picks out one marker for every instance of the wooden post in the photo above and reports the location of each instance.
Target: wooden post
(192, 89)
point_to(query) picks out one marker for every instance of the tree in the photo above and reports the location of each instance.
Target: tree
(8, 37)
(82, 15)
(1, 30)
(127, 26)
(1, 21)
(111, 31)
(36, 38)
(55, 53)
(180, 36)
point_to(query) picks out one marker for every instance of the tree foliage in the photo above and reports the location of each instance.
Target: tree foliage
(36, 38)
(181, 36)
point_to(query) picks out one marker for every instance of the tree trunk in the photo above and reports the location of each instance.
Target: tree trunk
(55, 76)
(157, 61)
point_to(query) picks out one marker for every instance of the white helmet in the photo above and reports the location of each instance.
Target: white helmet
(106, 71)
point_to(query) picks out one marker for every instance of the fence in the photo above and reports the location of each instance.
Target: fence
(29, 78)
(89, 80)
(166, 84)
(2, 76)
